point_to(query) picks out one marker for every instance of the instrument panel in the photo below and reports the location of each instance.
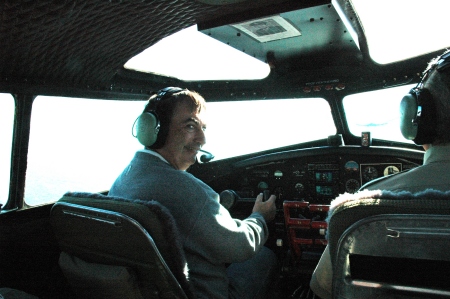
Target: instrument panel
(313, 181)
(317, 175)
(305, 181)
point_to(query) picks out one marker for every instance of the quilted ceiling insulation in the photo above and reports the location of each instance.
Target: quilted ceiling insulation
(84, 42)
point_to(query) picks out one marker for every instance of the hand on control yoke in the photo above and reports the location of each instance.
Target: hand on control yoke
(266, 208)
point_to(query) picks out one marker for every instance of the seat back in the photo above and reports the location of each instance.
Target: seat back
(118, 248)
(390, 245)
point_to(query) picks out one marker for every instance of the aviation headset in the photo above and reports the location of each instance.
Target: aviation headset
(418, 109)
(148, 123)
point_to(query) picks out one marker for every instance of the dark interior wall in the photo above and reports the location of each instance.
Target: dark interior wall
(29, 254)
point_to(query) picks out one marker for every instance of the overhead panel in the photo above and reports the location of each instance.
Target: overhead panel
(287, 35)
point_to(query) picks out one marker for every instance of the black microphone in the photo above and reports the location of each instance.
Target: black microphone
(206, 157)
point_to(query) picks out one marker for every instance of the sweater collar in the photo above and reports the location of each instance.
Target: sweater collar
(437, 153)
(156, 154)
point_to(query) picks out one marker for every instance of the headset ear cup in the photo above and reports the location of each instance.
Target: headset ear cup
(408, 113)
(427, 123)
(147, 128)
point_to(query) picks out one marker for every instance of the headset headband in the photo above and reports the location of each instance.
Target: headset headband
(441, 63)
(166, 92)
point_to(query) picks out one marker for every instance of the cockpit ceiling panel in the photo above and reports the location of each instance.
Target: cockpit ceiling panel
(319, 28)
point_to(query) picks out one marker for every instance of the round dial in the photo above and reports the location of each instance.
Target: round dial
(351, 166)
(370, 173)
(352, 185)
(263, 185)
(299, 187)
(391, 170)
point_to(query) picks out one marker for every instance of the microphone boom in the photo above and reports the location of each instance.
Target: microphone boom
(206, 157)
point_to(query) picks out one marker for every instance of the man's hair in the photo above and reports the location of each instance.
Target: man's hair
(438, 83)
(165, 107)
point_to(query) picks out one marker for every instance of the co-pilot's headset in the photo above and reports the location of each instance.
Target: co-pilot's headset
(418, 108)
(147, 125)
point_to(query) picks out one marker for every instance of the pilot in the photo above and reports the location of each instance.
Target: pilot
(226, 257)
(425, 119)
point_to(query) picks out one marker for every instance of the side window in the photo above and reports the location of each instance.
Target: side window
(6, 132)
(377, 112)
(78, 145)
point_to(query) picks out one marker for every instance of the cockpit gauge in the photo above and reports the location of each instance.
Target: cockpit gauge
(263, 185)
(352, 185)
(390, 170)
(351, 167)
(299, 187)
(278, 174)
(370, 173)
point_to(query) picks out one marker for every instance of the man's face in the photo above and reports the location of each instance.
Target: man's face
(186, 136)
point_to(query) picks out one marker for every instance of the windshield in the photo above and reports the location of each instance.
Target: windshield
(376, 112)
(71, 152)
(244, 127)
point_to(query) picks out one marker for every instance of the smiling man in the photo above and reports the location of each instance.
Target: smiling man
(185, 137)
(172, 129)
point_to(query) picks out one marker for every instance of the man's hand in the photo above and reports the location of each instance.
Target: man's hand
(266, 208)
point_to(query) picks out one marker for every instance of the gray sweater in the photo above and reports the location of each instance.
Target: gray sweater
(211, 238)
